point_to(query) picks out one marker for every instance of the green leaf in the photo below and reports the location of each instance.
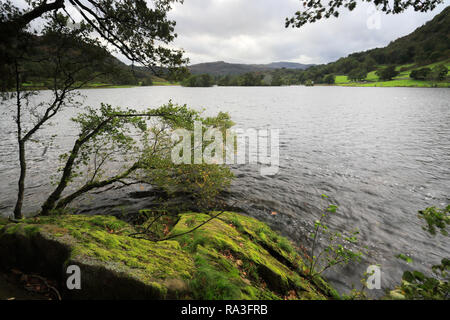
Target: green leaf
(419, 275)
(408, 276)
(332, 208)
(404, 257)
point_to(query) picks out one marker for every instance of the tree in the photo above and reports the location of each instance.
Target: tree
(420, 74)
(224, 81)
(137, 29)
(276, 80)
(387, 73)
(206, 80)
(202, 80)
(357, 74)
(250, 79)
(438, 73)
(147, 82)
(315, 10)
(65, 59)
(69, 57)
(329, 79)
(143, 147)
(369, 63)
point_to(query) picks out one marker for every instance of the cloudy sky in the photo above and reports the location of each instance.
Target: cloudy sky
(252, 31)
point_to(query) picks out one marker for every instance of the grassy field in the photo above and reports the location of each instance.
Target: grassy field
(399, 83)
(95, 85)
(401, 80)
(165, 83)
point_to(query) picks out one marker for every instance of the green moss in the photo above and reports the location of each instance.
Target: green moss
(11, 229)
(233, 257)
(31, 229)
(253, 250)
(212, 283)
(3, 222)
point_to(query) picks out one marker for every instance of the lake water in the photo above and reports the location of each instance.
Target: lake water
(380, 154)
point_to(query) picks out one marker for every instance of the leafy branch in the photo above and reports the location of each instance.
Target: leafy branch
(336, 251)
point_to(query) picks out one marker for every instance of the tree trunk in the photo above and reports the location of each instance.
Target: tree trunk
(67, 172)
(94, 185)
(56, 194)
(21, 142)
(23, 171)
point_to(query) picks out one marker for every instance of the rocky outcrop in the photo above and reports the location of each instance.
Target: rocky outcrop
(231, 257)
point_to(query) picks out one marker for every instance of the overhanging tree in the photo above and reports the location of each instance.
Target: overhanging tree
(140, 144)
(138, 29)
(64, 58)
(314, 10)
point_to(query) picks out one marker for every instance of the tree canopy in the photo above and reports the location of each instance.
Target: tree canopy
(138, 29)
(314, 10)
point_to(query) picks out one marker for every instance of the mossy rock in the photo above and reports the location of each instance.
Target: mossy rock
(261, 263)
(113, 265)
(3, 222)
(232, 257)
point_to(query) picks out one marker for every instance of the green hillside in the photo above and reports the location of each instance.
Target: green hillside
(40, 62)
(428, 47)
(403, 79)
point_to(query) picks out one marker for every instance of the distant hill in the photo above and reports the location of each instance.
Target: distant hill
(288, 65)
(109, 70)
(427, 44)
(221, 68)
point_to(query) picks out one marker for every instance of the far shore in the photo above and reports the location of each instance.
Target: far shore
(367, 84)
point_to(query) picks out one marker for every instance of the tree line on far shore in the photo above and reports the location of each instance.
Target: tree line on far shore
(304, 77)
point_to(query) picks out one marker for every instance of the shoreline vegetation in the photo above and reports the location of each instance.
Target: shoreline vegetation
(37, 87)
(406, 75)
(378, 84)
(409, 75)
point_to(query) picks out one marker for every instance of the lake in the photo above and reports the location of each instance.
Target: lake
(380, 154)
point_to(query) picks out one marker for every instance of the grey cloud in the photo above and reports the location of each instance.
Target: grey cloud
(252, 31)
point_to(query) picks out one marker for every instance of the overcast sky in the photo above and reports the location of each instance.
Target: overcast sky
(252, 31)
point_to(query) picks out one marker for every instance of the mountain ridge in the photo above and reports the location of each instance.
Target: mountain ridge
(221, 68)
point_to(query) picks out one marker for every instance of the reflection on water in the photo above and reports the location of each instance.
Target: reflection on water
(381, 154)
